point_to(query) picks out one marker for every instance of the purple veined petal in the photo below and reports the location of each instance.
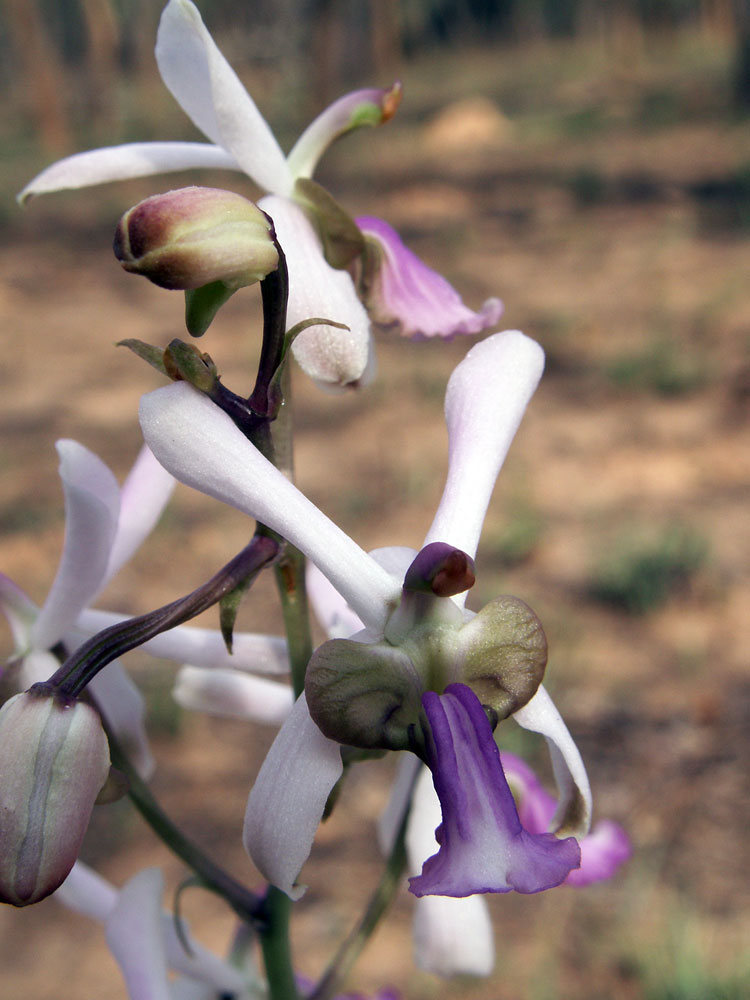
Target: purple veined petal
(536, 806)
(202, 647)
(123, 707)
(19, 610)
(200, 445)
(484, 403)
(233, 695)
(359, 108)
(602, 852)
(87, 892)
(134, 935)
(122, 163)
(331, 610)
(92, 501)
(483, 847)
(287, 800)
(210, 93)
(143, 497)
(406, 294)
(331, 356)
(573, 814)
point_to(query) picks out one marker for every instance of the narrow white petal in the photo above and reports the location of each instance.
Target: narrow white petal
(233, 695)
(200, 965)
(92, 501)
(143, 497)
(453, 937)
(288, 798)
(202, 647)
(398, 802)
(201, 446)
(124, 709)
(19, 610)
(87, 892)
(484, 403)
(331, 356)
(331, 610)
(122, 163)
(134, 936)
(210, 93)
(541, 716)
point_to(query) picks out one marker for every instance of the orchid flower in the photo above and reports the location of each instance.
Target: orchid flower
(485, 400)
(397, 288)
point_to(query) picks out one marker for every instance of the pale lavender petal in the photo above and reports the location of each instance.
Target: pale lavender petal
(200, 964)
(483, 847)
(36, 667)
(354, 110)
(536, 806)
(92, 500)
(122, 163)
(201, 446)
(19, 609)
(331, 610)
(484, 403)
(87, 892)
(395, 559)
(233, 695)
(288, 798)
(124, 710)
(332, 356)
(134, 936)
(143, 497)
(404, 293)
(399, 800)
(202, 647)
(210, 93)
(602, 852)
(573, 814)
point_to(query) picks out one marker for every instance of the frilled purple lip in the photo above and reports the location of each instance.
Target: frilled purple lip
(483, 847)
(402, 292)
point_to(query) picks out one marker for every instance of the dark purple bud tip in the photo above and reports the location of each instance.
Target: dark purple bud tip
(441, 570)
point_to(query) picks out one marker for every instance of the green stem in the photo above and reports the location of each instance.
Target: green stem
(276, 946)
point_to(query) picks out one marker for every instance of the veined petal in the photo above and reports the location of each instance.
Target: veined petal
(124, 710)
(202, 647)
(201, 446)
(210, 93)
(402, 292)
(332, 356)
(122, 163)
(483, 847)
(19, 609)
(133, 931)
(92, 501)
(288, 798)
(233, 695)
(452, 936)
(573, 814)
(143, 496)
(359, 108)
(484, 403)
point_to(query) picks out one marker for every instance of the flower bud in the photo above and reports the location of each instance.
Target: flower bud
(195, 236)
(54, 759)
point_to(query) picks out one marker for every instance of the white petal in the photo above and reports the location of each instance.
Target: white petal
(210, 93)
(92, 500)
(331, 610)
(143, 497)
(232, 694)
(121, 163)
(541, 716)
(202, 647)
(134, 936)
(484, 403)
(201, 964)
(288, 798)
(398, 801)
(36, 667)
(124, 709)
(453, 937)
(19, 609)
(201, 446)
(331, 356)
(87, 892)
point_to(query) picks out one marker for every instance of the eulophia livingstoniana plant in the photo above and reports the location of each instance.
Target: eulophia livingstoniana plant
(407, 670)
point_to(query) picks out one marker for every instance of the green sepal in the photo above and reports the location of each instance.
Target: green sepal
(185, 363)
(229, 606)
(148, 352)
(202, 304)
(364, 695)
(341, 238)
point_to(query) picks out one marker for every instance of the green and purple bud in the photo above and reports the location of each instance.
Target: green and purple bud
(54, 760)
(195, 236)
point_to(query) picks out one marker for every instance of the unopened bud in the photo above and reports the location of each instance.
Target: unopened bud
(54, 759)
(194, 236)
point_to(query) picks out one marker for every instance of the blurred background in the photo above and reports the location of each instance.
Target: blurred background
(588, 162)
